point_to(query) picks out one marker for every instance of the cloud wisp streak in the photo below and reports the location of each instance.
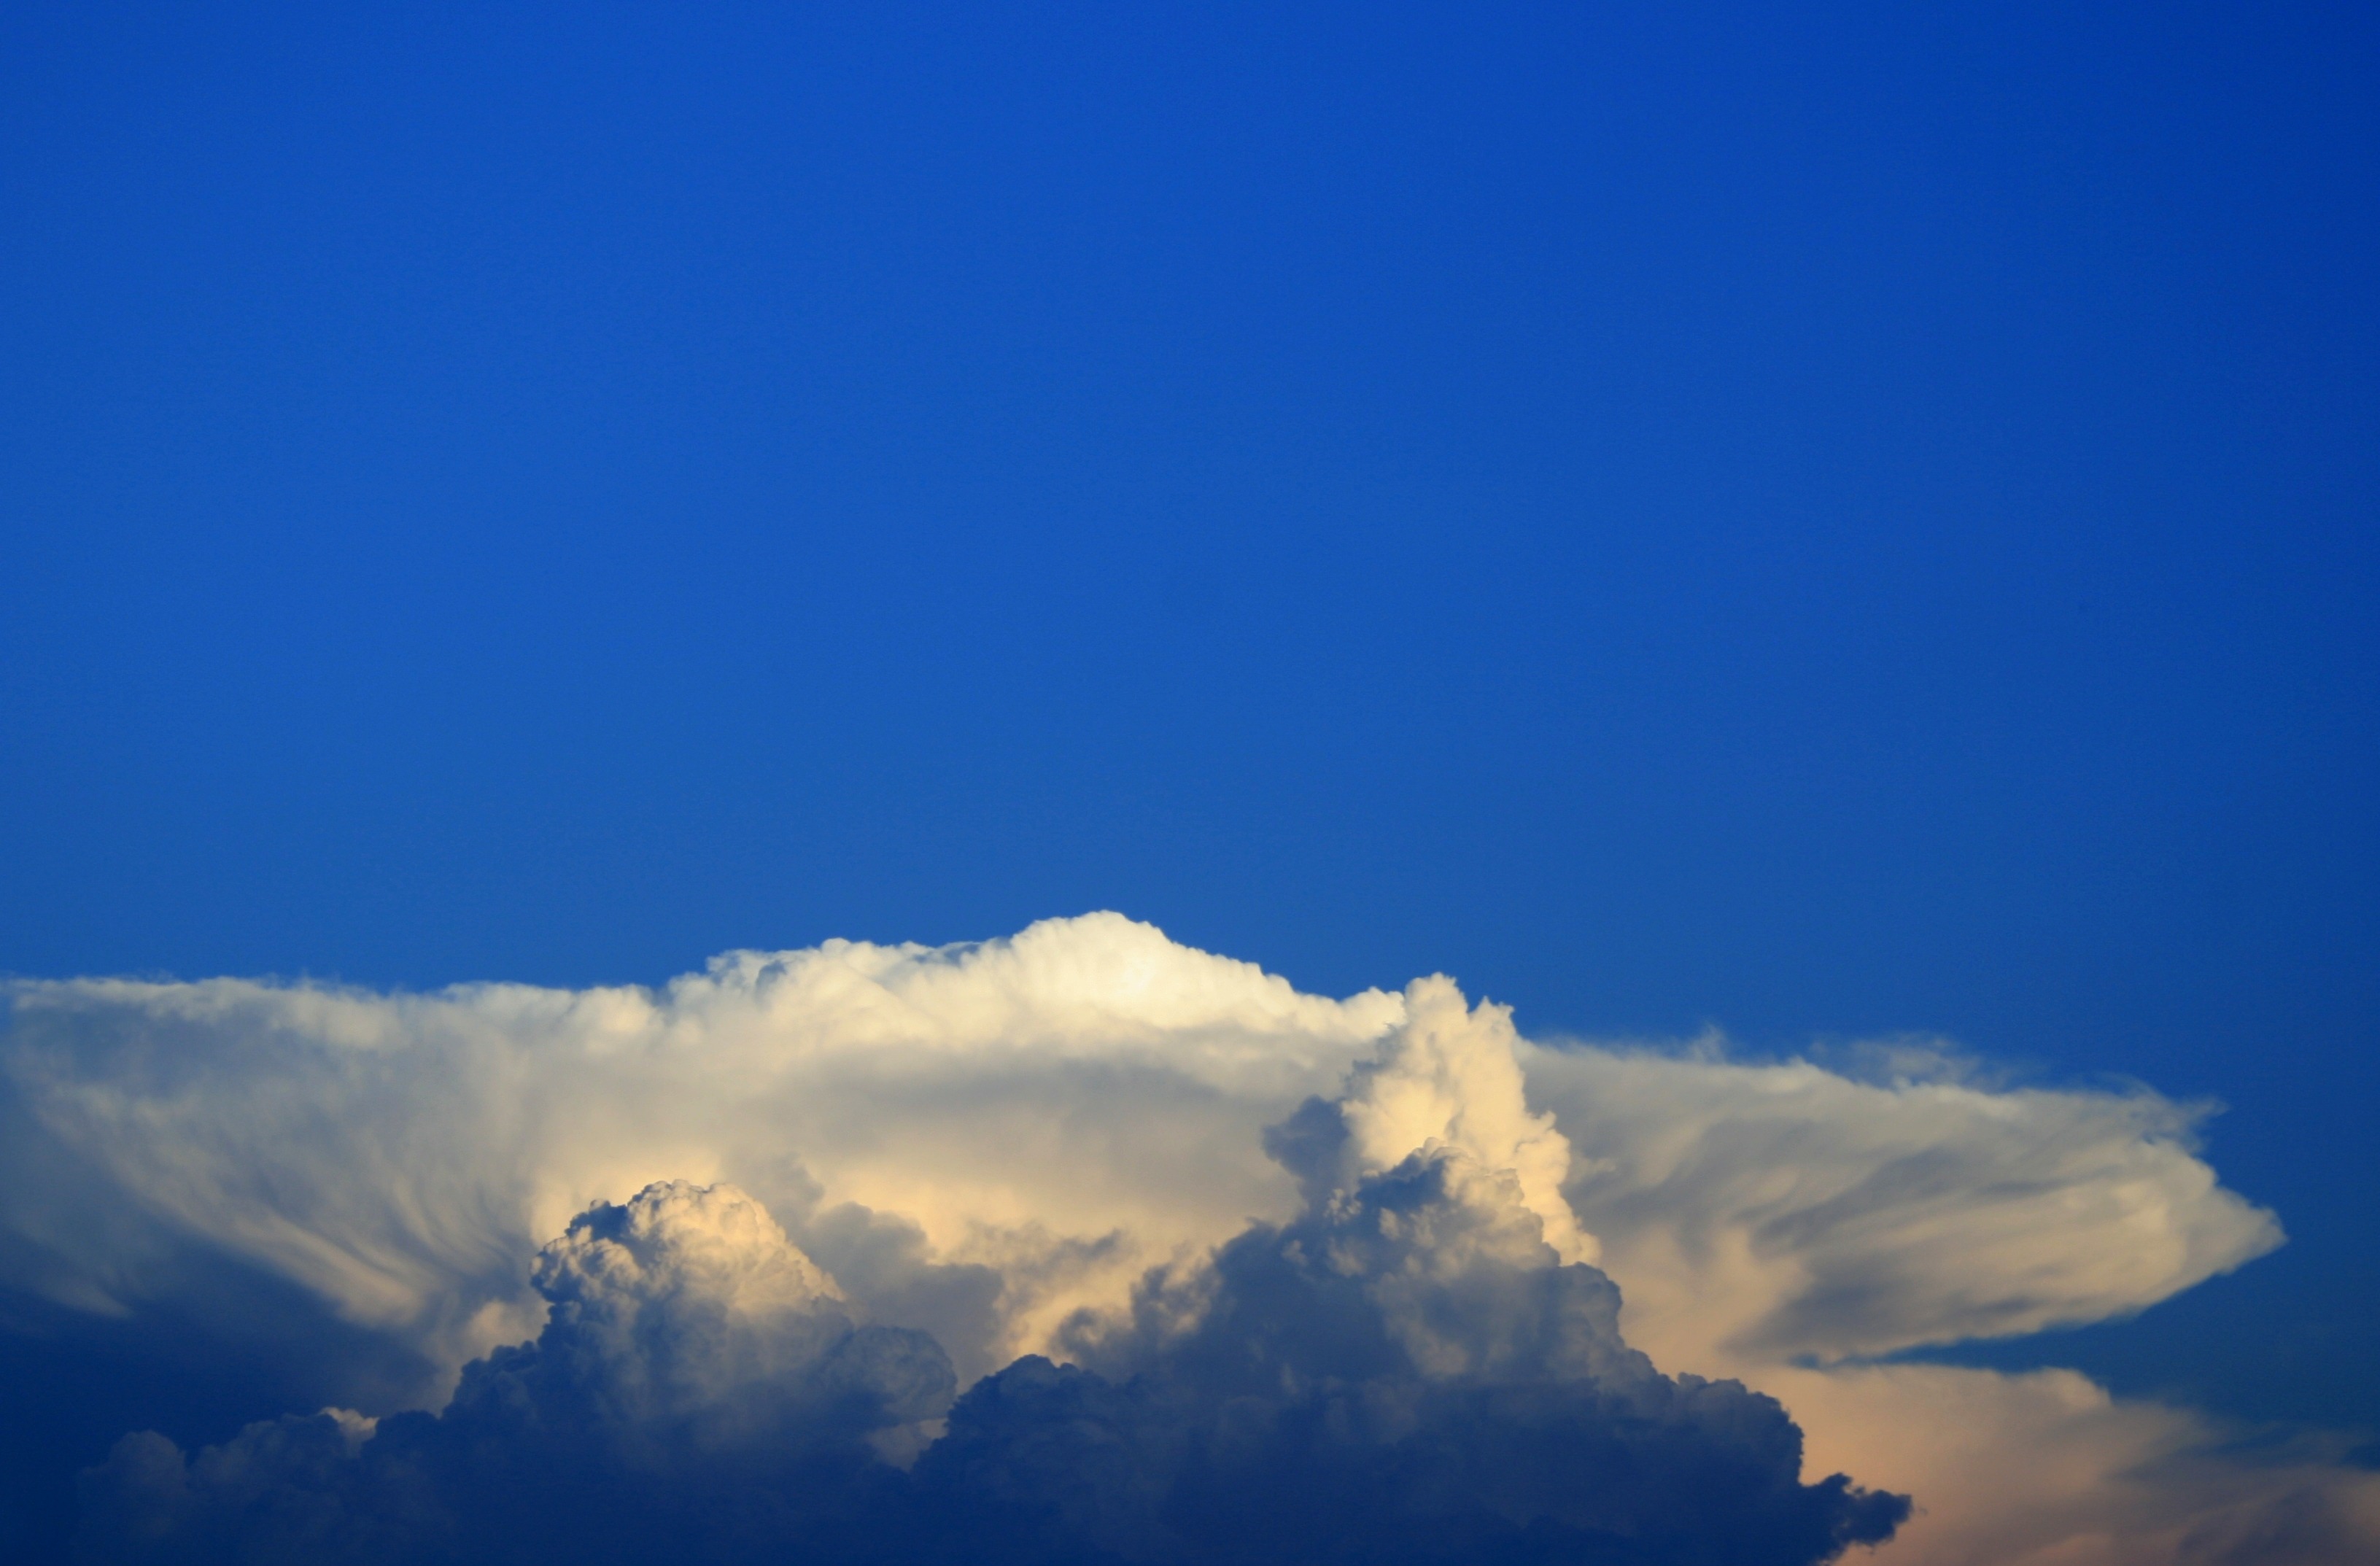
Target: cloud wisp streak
(1090, 1197)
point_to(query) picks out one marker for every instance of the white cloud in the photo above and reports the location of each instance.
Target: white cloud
(1450, 1078)
(1069, 1107)
(1008, 1133)
(1769, 1212)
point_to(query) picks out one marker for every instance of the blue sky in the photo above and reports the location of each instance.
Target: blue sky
(1819, 522)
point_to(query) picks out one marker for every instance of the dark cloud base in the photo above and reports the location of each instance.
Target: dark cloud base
(1403, 1375)
(225, 1346)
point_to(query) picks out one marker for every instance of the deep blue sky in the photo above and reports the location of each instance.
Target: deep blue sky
(1819, 521)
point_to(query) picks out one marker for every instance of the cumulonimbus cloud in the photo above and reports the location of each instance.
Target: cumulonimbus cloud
(1410, 1371)
(995, 1145)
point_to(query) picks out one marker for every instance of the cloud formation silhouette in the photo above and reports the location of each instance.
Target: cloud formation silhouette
(1084, 1144)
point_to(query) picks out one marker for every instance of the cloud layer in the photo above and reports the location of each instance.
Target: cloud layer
(1090, 1143)
(1409, 1371)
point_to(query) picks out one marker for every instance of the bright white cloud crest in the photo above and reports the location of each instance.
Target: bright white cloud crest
(989, 1141)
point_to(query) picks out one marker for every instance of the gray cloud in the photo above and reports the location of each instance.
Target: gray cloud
(1406, 1372)
(701, 1389)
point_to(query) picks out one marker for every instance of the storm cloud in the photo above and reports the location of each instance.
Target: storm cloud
(1408, 1371)
(1103, 1248)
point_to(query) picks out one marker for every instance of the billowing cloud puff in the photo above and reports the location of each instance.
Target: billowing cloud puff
(1057, 1146)
(687, 1318)
(1452, 1080)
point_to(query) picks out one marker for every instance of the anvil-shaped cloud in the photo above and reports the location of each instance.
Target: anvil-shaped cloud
(1315, 1265)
